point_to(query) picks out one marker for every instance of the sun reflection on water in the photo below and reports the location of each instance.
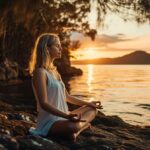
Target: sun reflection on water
(121, 93)
(90, 77)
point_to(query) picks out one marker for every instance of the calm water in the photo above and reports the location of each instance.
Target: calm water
(124, 90)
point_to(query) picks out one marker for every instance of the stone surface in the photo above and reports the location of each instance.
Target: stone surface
(8, 70)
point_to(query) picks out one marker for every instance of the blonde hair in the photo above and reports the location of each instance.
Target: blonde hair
(40, 57)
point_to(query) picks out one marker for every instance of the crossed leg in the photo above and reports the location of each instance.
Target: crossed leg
(73, 129)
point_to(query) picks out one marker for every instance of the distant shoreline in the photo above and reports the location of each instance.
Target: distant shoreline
(134, 58)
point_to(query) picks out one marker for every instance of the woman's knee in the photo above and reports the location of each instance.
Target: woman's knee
(94, 110)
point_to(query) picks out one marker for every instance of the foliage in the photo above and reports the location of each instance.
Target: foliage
(21, 21)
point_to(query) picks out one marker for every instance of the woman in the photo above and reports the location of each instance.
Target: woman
(54, 118)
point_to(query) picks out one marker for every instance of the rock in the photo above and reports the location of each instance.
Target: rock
(8, 70)
(38, 143)
(69, 71)
(11, 73)
(2, 74)
(18, 117)
(9, 142)
(15, 116)
(2, 147)
(109, 120)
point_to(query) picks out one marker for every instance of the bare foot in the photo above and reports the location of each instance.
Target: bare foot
(73, 137)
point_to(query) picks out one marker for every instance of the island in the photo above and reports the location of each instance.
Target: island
(137, 57)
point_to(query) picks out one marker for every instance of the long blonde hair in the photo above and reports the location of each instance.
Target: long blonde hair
(40, 57)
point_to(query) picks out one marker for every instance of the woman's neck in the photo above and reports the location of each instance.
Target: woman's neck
(51, 66)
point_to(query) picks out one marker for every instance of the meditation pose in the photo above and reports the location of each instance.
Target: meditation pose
(54, 118)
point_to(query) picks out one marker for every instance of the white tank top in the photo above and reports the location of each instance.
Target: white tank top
(56, 98)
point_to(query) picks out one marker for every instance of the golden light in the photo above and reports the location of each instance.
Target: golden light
(90, 50)
(90, 53)
(90, 77)
(87, 53)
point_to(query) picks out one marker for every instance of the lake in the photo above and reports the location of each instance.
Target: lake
(124, 90)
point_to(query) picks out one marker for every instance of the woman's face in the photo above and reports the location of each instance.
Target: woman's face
(55, 49)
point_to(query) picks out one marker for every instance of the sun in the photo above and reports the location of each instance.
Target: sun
(90, 53)
(90, 50)
(87, 53)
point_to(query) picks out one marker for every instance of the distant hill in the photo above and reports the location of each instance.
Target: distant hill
(137, 57)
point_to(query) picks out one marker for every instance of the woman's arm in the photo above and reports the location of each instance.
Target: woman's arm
(72, 99)
(39, 83)
(78, 101)
(75, 100)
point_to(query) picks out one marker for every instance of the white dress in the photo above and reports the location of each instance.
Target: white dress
(56, 98)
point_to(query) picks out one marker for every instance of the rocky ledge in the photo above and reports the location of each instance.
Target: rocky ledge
(18, 114)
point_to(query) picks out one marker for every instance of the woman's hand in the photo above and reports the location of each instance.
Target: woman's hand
(95, 104)
(75, 118)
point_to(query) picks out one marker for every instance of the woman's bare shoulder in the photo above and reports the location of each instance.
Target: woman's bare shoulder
(38, 73)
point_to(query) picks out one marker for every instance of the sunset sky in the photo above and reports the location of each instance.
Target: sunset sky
(117, 38)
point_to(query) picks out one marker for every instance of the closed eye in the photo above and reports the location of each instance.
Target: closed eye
(59, 46)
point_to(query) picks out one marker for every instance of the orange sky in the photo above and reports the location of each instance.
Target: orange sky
(110, 46)
(116, 38)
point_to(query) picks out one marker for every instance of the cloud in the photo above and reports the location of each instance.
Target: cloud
(115, 42)
(105, 40)
(136, 43)
(112, 38)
